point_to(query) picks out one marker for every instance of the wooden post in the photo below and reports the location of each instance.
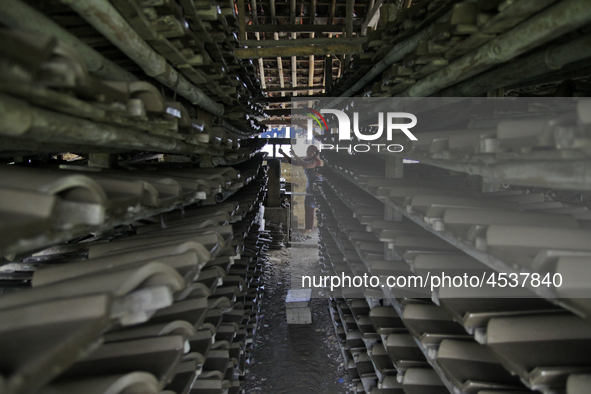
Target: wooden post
(294, 67)
(276, 38)
(292, 10)
(255, 20)
(333, 5)
(349, 20)
(349, 26)
(280, 70)
(241, 19)
(327, 73)
(311, 70)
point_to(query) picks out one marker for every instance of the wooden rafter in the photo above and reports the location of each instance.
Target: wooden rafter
(277, 90)
(255, 53)
(279, 99)
(241, 19)
(349, 25)
(327, 73)
(311, 38)
(311, 59)
(311, 70)
(276, 37)
(332, 11)
(372, 16)
(305, 41)
(294, 73)
(292, 28)
(253, 5)
(292, 11)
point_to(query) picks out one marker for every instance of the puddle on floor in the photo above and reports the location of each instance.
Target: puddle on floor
(295, 359)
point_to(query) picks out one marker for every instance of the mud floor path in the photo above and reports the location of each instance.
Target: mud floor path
(295, 359)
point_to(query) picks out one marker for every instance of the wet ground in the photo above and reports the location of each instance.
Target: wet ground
(295, 359)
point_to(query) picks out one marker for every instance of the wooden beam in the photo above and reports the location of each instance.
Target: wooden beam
(296, 28)
(269, 71)
(275, 84)
(304, 42)
(294, 66)
(304, 20)
(298, 61)
(292, 10)
(241, 19)
(256, 53)
(370, 5)
(253, 5)
(299, 69)
(349, 16)
(371, 17)
(349, 26)
(332, 11)
(276, 37)
(272, 7)
(280, 68)
(324, 3)
(277, 90)
(255, 17)
(262, 71)
(311, 70)
(327, 73)
(337, 4)
(281, 99)
(311, 59)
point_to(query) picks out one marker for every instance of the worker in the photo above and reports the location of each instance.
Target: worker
(309, 164)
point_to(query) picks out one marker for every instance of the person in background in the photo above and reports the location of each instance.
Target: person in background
(309, 164)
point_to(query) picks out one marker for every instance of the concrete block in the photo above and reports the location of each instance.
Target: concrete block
(298, 316)
(297, 306)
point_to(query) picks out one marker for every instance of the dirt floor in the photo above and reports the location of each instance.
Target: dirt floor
(295, 359)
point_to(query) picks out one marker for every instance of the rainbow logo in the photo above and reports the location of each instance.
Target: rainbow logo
(317, 117)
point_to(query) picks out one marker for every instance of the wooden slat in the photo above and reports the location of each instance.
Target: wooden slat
(277, 90)
(295, 28)
(328, 73)
(292, 11)
(241, 19)
(280, 100)
(294, 74)
(311, 70)
(255, 53)
(332, 11)
(305, 42)
(349, 26)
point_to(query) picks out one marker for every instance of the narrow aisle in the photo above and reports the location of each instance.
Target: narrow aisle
(292, 359)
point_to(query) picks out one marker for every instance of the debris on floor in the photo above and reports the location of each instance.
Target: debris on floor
(295, 359)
